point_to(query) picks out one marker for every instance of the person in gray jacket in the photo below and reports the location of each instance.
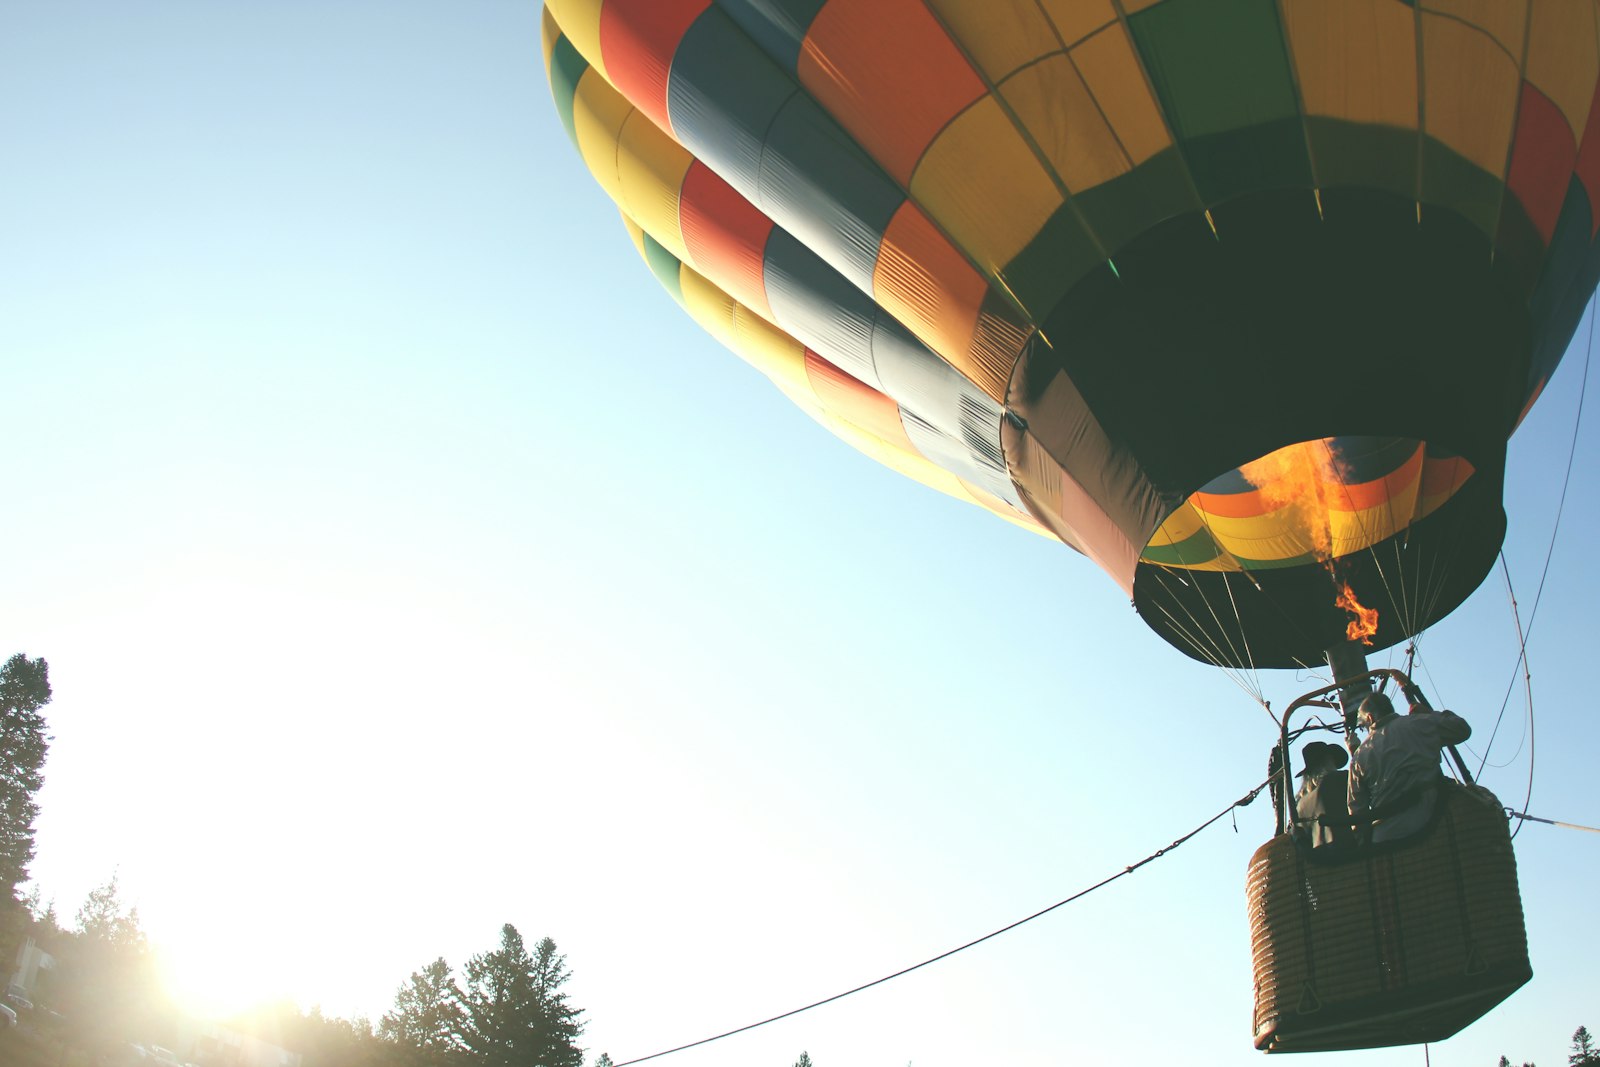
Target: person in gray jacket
(1396, 769)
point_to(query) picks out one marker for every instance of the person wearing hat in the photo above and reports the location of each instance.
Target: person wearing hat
(1396, 769)
(1322, 793)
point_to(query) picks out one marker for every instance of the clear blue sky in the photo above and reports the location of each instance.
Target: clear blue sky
(408, 564)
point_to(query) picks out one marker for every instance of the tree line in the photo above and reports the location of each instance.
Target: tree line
(508, 1008)
(1584, 1052)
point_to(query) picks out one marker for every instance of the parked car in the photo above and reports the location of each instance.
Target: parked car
(165, 1056)
(8, 1018)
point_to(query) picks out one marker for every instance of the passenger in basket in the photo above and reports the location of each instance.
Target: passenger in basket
(1323, 793)
(1396, 769)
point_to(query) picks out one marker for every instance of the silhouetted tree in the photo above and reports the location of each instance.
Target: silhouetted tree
(43, 912)
(110, 981)
(24, 689)
(515, 1012)
(329, 1041)
(427, 1015)
(804, 1060)
(1583, 1054)
(603, 1061)
(1507, 1063)
(102, 920)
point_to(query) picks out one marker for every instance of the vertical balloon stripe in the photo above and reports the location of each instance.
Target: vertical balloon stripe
(1570, 275)
(1356, 60)
(756, 341)
(915, 467)
(1564, 58)
(1241, 132)
(1051, 101)
(598, 116)
(565, 68)
(1001, 334)
(993, 210)
(549, 33)
(1470, 91)
(1183, 42)
(817, 305)
(725, 95)
(834, 194)
(1110, 68)
(926, 284)
(1587, 166)
(1000, 36)
(726, 236)
(580, 23)
(933, 390)
(1542, 160)
(1077, 20)
(952, 454)
(689, 211)
(1505, 22)
(853, 400)
(889, 74)
(868, 421)
(638, 38)
(810, 177)
(650, 172)
(663, 264)
(778, 27)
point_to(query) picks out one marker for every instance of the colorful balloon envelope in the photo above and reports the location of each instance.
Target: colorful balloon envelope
(1241, 299)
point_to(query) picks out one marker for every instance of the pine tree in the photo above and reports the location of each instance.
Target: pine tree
(1584, 1053)
(101, 920)
(804, 1060)
(24, 689)
(515, 1014)
(113, 981)
(427, 1015)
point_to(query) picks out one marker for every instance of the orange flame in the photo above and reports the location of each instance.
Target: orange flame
(1300, 478)
(1365, 621)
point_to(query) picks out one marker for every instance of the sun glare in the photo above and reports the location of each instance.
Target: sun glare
(212, 975)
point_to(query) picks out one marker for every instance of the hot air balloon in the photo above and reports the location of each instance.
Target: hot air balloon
(1241, 299)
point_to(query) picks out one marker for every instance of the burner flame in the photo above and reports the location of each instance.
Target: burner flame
(1364, 621)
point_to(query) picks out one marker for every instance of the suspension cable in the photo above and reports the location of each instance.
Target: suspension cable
(1157, 854)
(1561, 505)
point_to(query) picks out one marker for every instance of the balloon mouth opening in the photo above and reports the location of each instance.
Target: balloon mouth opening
(1311, 502)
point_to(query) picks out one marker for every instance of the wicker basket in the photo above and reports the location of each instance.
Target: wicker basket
(1390, 944)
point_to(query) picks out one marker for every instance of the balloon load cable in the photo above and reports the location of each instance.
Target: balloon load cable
(1523, 635)
(1157, 854)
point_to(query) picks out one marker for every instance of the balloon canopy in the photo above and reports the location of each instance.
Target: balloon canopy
(1242, 299)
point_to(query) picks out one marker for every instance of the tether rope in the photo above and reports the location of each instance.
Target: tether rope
(1566, 481)
(1525, 817)
(1157, 854)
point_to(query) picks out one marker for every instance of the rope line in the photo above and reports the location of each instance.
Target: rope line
(1525, 817)
(1157, 854)
(1195, 636)
(1566, 481)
